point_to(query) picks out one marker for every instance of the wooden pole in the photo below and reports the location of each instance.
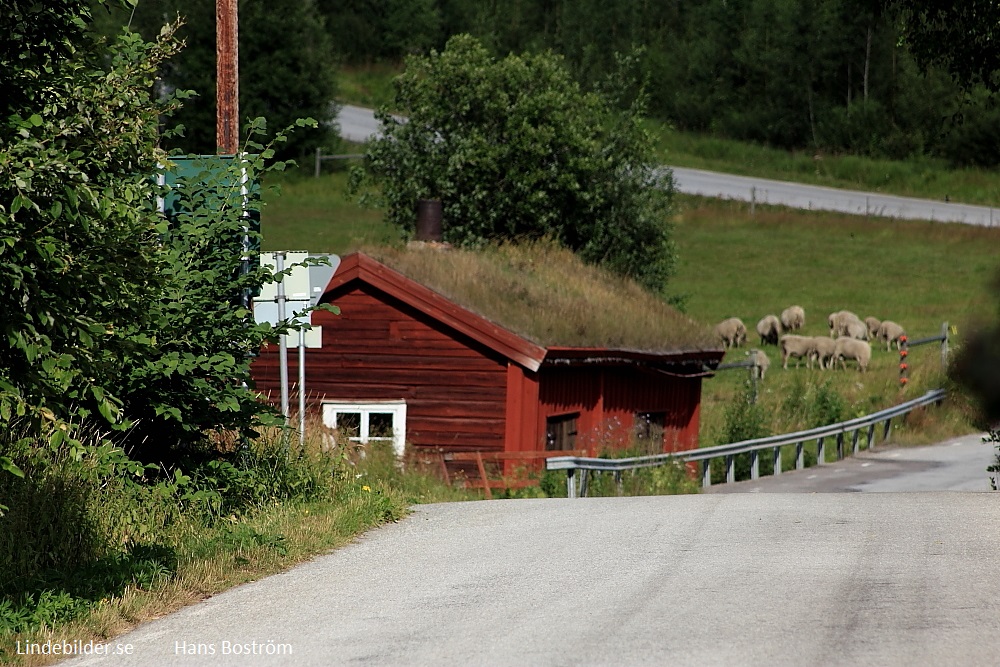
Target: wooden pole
(227, 92)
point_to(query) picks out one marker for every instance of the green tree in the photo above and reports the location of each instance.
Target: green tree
(78, 246)
(110, 313)
(513, 148)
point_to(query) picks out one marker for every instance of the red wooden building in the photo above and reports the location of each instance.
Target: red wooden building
(402, 360)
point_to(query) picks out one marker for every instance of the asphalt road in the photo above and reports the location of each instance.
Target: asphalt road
(358, 124)
(736, 579)
(955, 465)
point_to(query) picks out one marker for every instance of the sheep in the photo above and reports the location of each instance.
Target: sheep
(855, 329)
(852, 348)
(873, 323)
(731, 332)
(795, 346)
(841, 320)
(890, 332)
(823, 351)
(760, 358)
(793, 318)
(769, 329)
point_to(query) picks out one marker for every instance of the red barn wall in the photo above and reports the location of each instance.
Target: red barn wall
(379, 348)
(607, 400)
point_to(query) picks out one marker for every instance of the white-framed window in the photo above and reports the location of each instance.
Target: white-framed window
(372, 421)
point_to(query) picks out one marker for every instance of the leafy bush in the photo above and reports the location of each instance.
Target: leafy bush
(744, 420)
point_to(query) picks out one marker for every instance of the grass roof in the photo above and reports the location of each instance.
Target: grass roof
(549, 296)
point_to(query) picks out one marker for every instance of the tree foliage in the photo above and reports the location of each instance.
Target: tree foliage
(513, 147)
(78, 258)
(112, 314)
(286, 62)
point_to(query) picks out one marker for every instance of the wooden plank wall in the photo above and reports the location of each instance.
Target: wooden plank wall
(608, 399)
(379, 348)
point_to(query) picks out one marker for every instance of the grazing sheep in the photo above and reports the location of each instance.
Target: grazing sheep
(769, 329)
(839, 321)
(873, 323)
(731, 332)
(890, 332)
(793, 318)
(823, 351)
(852, 348)
(760, 358)
(853, 329)
(795, 346)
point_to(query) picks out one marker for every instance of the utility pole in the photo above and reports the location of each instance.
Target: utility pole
(227, 93)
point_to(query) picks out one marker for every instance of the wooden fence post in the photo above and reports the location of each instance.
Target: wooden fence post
(903, 365)
(944, 346)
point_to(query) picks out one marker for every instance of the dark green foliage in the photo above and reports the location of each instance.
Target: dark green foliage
(78, 243)
(813, 404)
(744, 420)
(514, 148)
(286, 63)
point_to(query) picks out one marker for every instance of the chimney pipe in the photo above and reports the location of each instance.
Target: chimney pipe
(429, 220)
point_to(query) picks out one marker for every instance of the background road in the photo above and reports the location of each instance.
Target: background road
(358, 124)
(731, 579)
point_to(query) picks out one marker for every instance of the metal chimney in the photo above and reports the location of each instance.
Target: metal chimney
(429, 220)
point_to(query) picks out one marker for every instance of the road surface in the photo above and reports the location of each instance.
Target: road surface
(358, 124)
(888, 579)
(958, 464)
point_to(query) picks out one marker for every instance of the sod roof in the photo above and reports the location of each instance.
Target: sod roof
(547, 295)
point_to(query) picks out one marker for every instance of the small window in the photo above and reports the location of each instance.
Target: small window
(560, 432)
(649, 426)
(366, 422)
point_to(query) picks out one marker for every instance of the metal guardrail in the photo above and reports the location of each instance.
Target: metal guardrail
(774, 443)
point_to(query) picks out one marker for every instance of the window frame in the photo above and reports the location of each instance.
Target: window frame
(397, 408)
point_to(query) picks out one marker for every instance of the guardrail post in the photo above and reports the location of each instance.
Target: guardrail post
(316, 171)
(618, 482)
(754, 465)
(706, 473)
(800, 459)
(820, 452)
(730, 469)
(840, 446)
(871, 436)
(777, 461)
(584, 476)
(854, 441)
(885, 431)
(570, 483)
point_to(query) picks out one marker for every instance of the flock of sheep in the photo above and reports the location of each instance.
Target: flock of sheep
(849, 338)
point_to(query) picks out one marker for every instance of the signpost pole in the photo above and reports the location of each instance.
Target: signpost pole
(302, 387)
(279, 265)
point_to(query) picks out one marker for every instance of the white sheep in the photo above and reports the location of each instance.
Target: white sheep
(793, 318)
(855, 329)
(873, 323)
(795, 346)
(890, 332)
(842, 320)
(769, 328)
(760, 358)
(823, 351)
(852, 348)
(731, 332)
